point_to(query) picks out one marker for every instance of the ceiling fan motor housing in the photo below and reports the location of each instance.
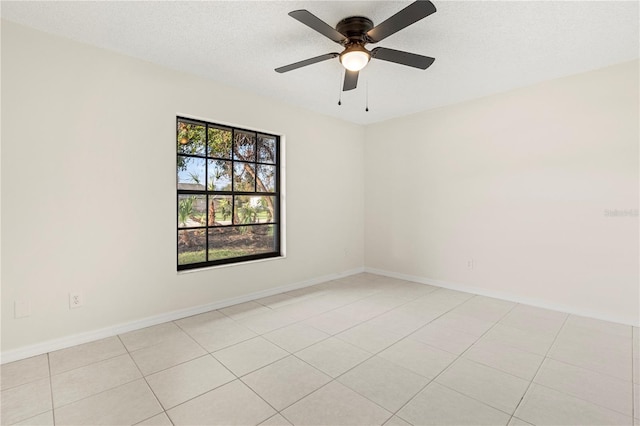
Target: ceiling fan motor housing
(354, 29)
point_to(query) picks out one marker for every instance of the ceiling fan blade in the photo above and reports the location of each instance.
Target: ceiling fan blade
(402, 58)
(407, 16)
(312, 21)
(306, 62)
(350, 80)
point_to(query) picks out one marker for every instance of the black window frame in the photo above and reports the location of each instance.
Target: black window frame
(276, 219)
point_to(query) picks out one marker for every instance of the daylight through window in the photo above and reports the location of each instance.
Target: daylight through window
(228, 182)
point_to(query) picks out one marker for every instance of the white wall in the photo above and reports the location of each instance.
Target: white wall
(88, 188)
(519, 182)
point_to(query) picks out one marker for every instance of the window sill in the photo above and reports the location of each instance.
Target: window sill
(230, 265)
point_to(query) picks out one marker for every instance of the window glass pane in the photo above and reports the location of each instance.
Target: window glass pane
(266, 149)
(190, 173)
(244, 212)
(266, 209)
(191, 246)
(244, 177)
(266, 178)
(226, 242)
(220, 207)
(244, 146)
(191, 211)
(219, 175)
(254, 209)
(191, 139)
(234, 241)
(264, 238)
(219, 142)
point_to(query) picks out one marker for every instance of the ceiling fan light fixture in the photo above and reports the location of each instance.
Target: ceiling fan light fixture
(355, 57)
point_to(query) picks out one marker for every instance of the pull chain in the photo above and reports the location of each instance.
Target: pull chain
(340, 88)
(366, 109)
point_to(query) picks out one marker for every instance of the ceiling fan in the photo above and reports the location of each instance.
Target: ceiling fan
(354, 32)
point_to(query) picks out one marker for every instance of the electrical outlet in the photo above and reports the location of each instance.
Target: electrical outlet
(22, 308)
(470, 264)
(75, 300)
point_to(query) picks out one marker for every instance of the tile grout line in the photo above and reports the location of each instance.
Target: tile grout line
(97, 393)
(456, 359)
(562, 361)
(587, 401)
(53, 411)
(210, 354)
(237, 377)
(333, 379)
(29, 381)
(54, 408)
(33, 381)
(190, 337)
(146, 382)
(260, 396)
(219, 349)
(633, 384)
(541, 364)
(88, 364)
(609, 376)
(206, 354)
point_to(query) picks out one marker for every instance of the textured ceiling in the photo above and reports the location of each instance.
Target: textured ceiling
(481, 47)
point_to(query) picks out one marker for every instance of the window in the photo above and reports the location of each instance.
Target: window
(228, 182)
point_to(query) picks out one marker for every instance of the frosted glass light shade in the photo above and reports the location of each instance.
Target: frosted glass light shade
(355, 58)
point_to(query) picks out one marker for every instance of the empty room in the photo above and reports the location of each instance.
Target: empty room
(320, 213)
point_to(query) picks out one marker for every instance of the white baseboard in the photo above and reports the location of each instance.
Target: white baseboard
(90, 336)
(505, 296)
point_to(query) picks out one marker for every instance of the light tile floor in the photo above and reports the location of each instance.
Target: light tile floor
(362, 350)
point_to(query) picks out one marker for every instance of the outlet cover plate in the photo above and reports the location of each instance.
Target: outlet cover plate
(76, 300)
